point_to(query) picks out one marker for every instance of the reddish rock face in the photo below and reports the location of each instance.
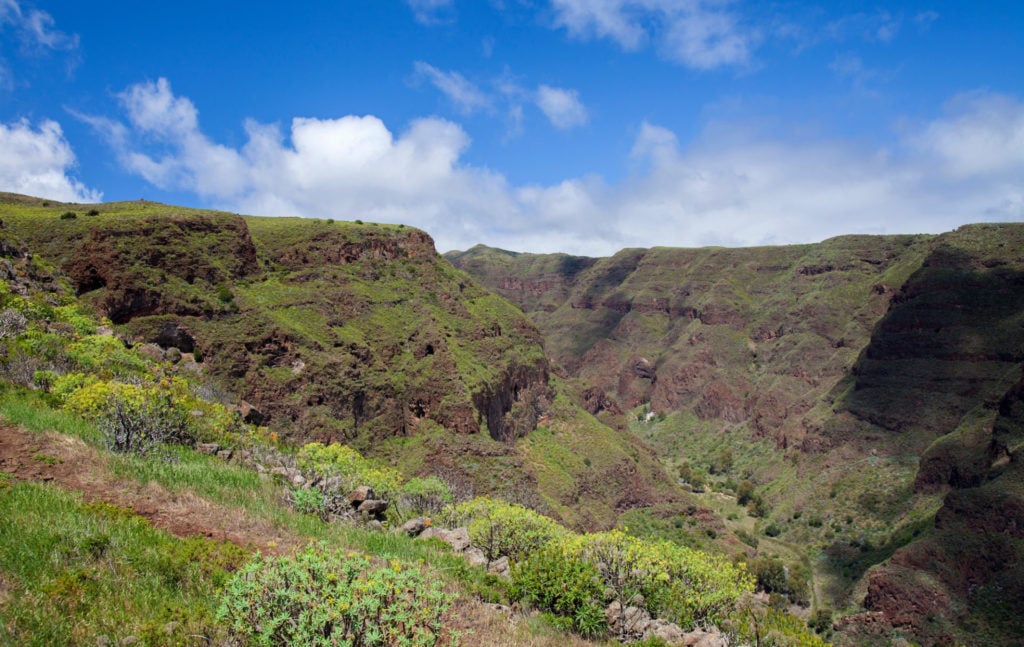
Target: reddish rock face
(905, 598)
(130, 259)
(333, 248)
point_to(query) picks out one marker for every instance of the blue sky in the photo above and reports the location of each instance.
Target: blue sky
(547, 125)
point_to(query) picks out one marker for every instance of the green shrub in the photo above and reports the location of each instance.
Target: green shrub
(772, 530)
(309, 501)
(821, 620)
(138, 426)
(676, 583)
(505, 529)
(570, 588)
(93, 212)
(341, 460)
(425, 496)
(758, 624)
(744, 492)
(324, 597)
(68, 215)
(224, 294)
(770, 574)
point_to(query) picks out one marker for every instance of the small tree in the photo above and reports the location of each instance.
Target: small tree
(139, 426)
(504, 529)
(744, 492)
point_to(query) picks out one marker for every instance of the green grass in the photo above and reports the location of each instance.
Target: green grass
(27, 408)
(182, 470)
(78, 571)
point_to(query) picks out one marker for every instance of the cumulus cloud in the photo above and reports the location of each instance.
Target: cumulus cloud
(924, 19)
(702, 34)
(464, 94)
(562, 107)
(728, 186)
(37, 161)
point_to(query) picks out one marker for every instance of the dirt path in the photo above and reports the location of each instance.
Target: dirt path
(68, 462)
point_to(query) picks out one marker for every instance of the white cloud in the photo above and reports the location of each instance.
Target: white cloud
(562, 107)
(466, 96)
(982, 136)
(37, 161)
(432, 12)
(863, 78)
(35, 27)
(729, 186)
(702, 34)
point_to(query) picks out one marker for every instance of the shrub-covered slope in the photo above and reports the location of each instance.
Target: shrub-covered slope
(350, 332)
(857, 382)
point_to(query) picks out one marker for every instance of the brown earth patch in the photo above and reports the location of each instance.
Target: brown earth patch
(490, 625)
(69, 463)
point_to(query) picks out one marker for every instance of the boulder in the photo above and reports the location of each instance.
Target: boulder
(664, 630)
(475, 557)
(374, 507)
(499, 567)
(413, 527)
(290, 474)
(208, 448)
(225, 455)
(250, 414)
(151, 351)
(331, 484)
(457, 538)
(704, 639)
(360, 494)
(631, 624)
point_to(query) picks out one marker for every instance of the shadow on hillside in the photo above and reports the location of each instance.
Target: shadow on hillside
(947, 344)
(846, 562)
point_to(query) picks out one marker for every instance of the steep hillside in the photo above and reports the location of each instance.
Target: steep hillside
(349, 332)
(856, 382)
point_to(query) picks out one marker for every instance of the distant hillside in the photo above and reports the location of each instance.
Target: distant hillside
(867, 385)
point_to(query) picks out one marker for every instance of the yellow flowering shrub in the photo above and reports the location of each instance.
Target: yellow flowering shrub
(341, 460)
(499, 528)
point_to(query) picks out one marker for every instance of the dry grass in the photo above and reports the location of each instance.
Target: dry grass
(485, 626)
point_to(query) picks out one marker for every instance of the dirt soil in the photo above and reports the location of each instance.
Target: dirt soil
(70, 463)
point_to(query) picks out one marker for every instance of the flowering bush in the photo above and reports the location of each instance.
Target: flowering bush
(686, 586)
(343, 461)
(505, 529)
(567, 587)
